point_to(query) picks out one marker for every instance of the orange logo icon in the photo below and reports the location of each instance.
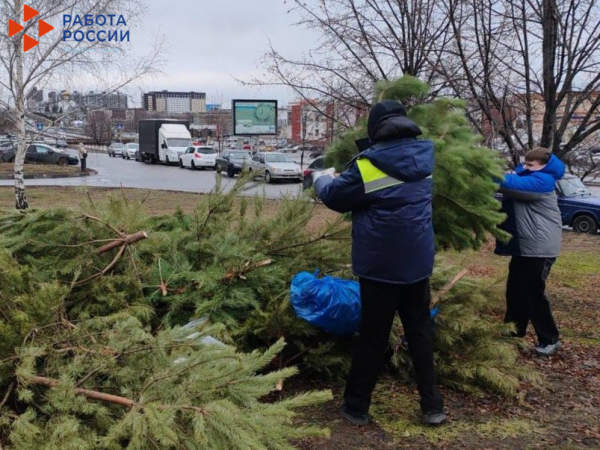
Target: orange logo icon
(28, 14)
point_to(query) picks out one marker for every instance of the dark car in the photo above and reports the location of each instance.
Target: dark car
(232, 161)
(315, 152)
(42, 154)
(317, 164)
(6, 151)
(579, 208)
(61, 143)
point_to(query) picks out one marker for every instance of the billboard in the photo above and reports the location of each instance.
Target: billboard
(254, 117)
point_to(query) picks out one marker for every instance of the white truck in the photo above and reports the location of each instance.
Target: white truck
(163, 140)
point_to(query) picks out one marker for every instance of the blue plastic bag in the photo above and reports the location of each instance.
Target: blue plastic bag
(330, 303)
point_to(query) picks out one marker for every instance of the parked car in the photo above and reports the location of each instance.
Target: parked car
(233, 161)
(131, 150)
(199, 157)
(317, 164)
(579, 208)
(116, 148)
(6, 151)
(42, 154)
(61, 143)
(315, 152)
(275, 166)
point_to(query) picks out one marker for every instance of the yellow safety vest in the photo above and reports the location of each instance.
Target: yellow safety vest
(373, 178)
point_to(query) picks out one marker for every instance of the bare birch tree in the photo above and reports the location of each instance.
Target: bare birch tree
(56, 61)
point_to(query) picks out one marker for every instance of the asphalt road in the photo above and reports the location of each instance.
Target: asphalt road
(118, 172)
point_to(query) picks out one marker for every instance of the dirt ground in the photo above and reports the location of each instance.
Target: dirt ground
(562, 412)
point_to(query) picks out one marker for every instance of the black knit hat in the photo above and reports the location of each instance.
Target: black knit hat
(382, 110)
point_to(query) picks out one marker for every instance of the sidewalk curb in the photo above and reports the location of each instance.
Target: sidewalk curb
(51, 175)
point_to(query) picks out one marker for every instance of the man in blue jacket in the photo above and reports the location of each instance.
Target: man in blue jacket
(388, 188)
(534, 220)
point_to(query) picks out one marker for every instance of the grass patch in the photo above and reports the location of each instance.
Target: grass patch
(156, 203)
(585, 338)
(573, 269)
(40, 169)
(397, 413)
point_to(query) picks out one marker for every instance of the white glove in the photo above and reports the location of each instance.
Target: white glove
(318, 174)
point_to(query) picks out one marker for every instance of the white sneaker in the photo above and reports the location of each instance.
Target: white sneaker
(548, 350)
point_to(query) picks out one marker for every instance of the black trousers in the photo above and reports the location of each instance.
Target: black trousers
(526, 299)
(83, 160)
(380, 303)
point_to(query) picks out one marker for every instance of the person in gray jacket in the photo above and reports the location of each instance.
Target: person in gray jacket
(534, 220)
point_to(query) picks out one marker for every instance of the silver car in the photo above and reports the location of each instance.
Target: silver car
(130, 150)
(116, 148)
(275, 166)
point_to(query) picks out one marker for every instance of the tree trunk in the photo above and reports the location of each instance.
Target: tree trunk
(19, 91)
(549, 49)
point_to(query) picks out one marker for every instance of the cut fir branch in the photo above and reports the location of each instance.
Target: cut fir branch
(188, 382)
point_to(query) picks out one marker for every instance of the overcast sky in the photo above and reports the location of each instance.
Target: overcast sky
(211, 42)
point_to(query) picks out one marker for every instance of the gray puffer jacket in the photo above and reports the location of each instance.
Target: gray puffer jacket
(534, 220)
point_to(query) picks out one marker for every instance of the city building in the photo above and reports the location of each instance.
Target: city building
(53, 98)
(174, 102)
(515, 112)
(35, 99)
(216, 123)
(36, 94)
(108, 100)
(310, 122)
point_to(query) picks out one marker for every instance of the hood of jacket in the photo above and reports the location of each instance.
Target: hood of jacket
(555, 168)
(406, 159)
(394, 127)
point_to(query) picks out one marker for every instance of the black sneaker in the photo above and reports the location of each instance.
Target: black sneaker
(434, 417)
(356, 418)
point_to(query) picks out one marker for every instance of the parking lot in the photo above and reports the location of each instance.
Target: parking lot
(117, 172)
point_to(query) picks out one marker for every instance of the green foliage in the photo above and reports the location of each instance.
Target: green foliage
(112, 323)
(473, 352)
(118, 331)
(219, 262)
(184, 393)
(464, 208)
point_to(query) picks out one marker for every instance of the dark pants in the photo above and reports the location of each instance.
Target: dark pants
(83, 160)
(526, 298)
(380, 302)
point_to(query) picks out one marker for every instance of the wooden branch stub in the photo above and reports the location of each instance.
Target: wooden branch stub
(279, 386)
(448, 286)
(86, 392)
(115, 399)
(232, 274)
(127, 240)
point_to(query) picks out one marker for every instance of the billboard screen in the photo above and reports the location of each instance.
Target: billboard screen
(254, 117)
